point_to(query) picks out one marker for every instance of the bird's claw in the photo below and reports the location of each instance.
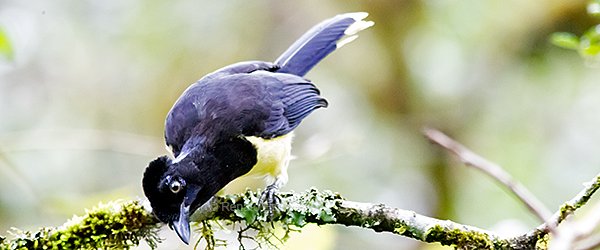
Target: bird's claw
(271, 200)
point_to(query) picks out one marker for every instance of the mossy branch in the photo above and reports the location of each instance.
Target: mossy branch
(123, 224)
(114, 225)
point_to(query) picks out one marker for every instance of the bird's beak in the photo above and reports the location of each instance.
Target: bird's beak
(182, 225)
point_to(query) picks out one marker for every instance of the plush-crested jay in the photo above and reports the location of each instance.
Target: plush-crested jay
(238, 121)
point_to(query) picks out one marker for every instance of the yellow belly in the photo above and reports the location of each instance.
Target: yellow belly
(273, 158)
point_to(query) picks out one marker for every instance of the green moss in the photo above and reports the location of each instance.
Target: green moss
(542, 242)
(459, 238)
(400, 229)
(115, 225)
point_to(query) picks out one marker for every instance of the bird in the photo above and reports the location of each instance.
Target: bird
(238, 121)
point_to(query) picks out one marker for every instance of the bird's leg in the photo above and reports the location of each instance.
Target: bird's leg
(269, 197)
(278, 176)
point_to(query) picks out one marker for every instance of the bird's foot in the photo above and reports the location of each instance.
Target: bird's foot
(270, 200)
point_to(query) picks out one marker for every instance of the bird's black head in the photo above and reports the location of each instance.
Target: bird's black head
(174, 191)
(176, 188)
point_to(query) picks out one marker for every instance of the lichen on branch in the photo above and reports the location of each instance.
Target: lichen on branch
(123, 224)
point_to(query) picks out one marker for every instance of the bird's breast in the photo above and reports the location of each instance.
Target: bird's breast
(273, 157)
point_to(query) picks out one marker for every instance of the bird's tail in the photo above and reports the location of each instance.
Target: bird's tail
(321, 40)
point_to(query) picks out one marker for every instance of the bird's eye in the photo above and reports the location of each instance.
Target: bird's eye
(175, 187)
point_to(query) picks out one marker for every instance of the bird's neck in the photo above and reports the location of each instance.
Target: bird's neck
(194, 147)
(217, 163)
(231, 157)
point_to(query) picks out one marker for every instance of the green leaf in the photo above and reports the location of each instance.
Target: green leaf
(298, 219)
(565, 40)
(248, 214)
(592, 34)
(326, 216)
(590, 42)
(591, 50)
(6, 49)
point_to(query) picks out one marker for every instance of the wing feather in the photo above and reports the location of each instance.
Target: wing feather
(261, 103)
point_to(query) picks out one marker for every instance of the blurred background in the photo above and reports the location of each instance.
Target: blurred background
(84, 95)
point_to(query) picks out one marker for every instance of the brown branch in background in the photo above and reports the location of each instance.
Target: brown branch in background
(551, 221)
(11, 172)
(566, 209)
(471, 159)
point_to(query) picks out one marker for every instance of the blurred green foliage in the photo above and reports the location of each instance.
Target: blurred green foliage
(6, 49)
(565, 40)
(588, 45)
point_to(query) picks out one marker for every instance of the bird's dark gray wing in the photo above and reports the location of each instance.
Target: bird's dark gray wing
(260, 103)
(292, 98)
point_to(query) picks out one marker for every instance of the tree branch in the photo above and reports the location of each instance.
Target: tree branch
(123, 224)
(327, 207)
(126, 223)
(471, 159)
(566, 209)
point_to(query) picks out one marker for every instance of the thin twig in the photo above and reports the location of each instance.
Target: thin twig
(573, 204)
(12, 173)
(579, 232)
(568, 207)
(471, 159)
